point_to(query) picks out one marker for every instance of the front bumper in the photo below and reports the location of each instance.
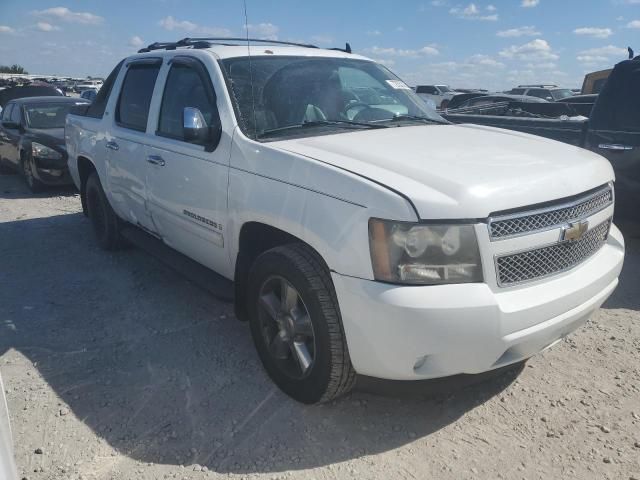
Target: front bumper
(409, 333)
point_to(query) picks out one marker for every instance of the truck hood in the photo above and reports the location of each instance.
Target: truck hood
(460, 171)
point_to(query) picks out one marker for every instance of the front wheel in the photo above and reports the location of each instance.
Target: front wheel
(32, 182)
(296, 325)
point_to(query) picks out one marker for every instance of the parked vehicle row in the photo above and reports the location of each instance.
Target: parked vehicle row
(363, 233)
(613, 129)
(32, 139)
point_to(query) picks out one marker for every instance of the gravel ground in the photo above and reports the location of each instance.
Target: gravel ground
(118, 368)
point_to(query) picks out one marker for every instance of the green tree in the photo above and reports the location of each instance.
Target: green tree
(17, 69)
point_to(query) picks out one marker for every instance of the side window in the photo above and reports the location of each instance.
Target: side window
(99, 104)
(135, 96)
(16, 116)
(517, 91)
(6, 113)
(185, 87)
(427, 89)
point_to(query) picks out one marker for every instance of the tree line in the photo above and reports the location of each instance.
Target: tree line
(17, 69)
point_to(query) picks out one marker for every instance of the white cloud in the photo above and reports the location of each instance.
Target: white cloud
(472, 12)
(528, 31)
(485, 60)
(267, 31)
(385, 61)
(6, 29)
(46, 27)
(491, 8)
(136, 42)
(594, 32)
(374, 33)
(170, 23)
(535, 50)
(64, 14)
(428, 50)
(530, 3)
(602, 54)
(634, 24)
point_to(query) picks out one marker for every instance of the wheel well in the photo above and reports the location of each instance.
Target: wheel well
(85, 167)
(255, 239)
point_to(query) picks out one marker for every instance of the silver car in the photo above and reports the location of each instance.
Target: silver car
(7, 465)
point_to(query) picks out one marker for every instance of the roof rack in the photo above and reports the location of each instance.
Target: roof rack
(539, 85)
(206, 42)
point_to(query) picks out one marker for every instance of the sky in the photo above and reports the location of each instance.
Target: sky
(493, 44)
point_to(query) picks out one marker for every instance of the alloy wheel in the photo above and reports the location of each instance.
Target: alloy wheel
(286, 327)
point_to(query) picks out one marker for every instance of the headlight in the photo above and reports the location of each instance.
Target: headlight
(41, 151)
(418, 254)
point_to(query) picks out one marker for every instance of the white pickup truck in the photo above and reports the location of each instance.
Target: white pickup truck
(362, 232)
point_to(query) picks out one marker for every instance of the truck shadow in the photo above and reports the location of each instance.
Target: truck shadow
(16, 188)
(164, 373)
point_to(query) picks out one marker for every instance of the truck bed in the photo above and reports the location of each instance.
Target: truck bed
(553, 120)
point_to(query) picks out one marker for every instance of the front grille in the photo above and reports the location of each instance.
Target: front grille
(550, 260)
(554, 216)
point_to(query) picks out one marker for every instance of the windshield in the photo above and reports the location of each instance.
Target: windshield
(561, 93)
(319, 95)
(46, 115)
(444, 89)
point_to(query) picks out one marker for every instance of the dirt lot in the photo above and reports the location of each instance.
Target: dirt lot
(118, 368)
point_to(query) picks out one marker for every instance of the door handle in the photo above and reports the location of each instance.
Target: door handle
(156, 160)
(616, 147)
(112, 146)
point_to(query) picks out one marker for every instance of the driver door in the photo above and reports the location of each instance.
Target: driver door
(186, 179)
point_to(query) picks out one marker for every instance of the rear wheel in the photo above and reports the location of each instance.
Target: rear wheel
(33, 183)
(296, 325)
(105, 223)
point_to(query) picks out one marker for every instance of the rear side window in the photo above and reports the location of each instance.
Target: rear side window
(539, 93)
(185, 87)
(135, 96)
(15, 114)
(426, 89)
(517, 91)
(99, 104)
(6, 113)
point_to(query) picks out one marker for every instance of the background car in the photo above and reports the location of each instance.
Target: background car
(551, 93)
(491, 99)
(32, 139)
(438, 94)
(89, 94)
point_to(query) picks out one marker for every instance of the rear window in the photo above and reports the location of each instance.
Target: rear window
(135, 96)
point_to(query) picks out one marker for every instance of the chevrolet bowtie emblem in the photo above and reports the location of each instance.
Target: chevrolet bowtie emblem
(574, 231)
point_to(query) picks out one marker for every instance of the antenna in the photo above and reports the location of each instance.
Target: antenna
(253, 98)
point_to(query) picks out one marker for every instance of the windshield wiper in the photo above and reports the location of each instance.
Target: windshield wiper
(321, 123)
(414, 117)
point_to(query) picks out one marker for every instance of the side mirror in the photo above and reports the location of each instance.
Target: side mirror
(196, 130)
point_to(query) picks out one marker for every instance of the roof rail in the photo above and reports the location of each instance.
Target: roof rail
(206, 42)
(539, 85)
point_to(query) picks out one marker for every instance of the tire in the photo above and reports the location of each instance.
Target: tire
(26, 164)
(106, 225)
(329, 374)
(4, 169)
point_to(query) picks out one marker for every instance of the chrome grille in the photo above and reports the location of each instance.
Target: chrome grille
(552, 259)
(554, 216)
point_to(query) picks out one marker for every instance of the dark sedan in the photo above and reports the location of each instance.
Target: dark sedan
(32, 139)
